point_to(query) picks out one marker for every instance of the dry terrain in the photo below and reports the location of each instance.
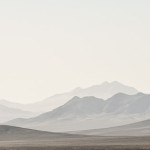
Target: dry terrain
(79, 143)
(15, 138)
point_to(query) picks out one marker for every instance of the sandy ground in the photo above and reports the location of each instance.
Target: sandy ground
(80, 143)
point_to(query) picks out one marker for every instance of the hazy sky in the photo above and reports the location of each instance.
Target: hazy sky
(53, 46)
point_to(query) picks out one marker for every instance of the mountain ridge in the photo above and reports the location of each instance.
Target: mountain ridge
(91, 112)
(103, 91)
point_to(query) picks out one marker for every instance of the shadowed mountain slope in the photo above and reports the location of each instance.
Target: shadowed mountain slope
(12, 133)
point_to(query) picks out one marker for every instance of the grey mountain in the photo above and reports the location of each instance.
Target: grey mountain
(7, 113)
(104, 91)
(75, 108)
(11, 104)
(141, 128)
(90, 112)
(128, 104)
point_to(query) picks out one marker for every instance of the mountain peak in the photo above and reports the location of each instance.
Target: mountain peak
(113, 82)
(116, 82)
(77, 89)
(102, 91)
(141, 94)
(75, 97)
(105, 83)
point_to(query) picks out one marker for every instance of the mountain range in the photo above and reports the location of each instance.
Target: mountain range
(91, 112)
(104, 91)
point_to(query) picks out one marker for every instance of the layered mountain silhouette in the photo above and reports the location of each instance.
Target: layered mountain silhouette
(8, 113)
(90, 112)
(103, 91)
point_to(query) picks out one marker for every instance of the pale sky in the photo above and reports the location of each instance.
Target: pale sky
(53, 46)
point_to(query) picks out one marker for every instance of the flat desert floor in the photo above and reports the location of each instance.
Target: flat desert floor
(80, 143)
